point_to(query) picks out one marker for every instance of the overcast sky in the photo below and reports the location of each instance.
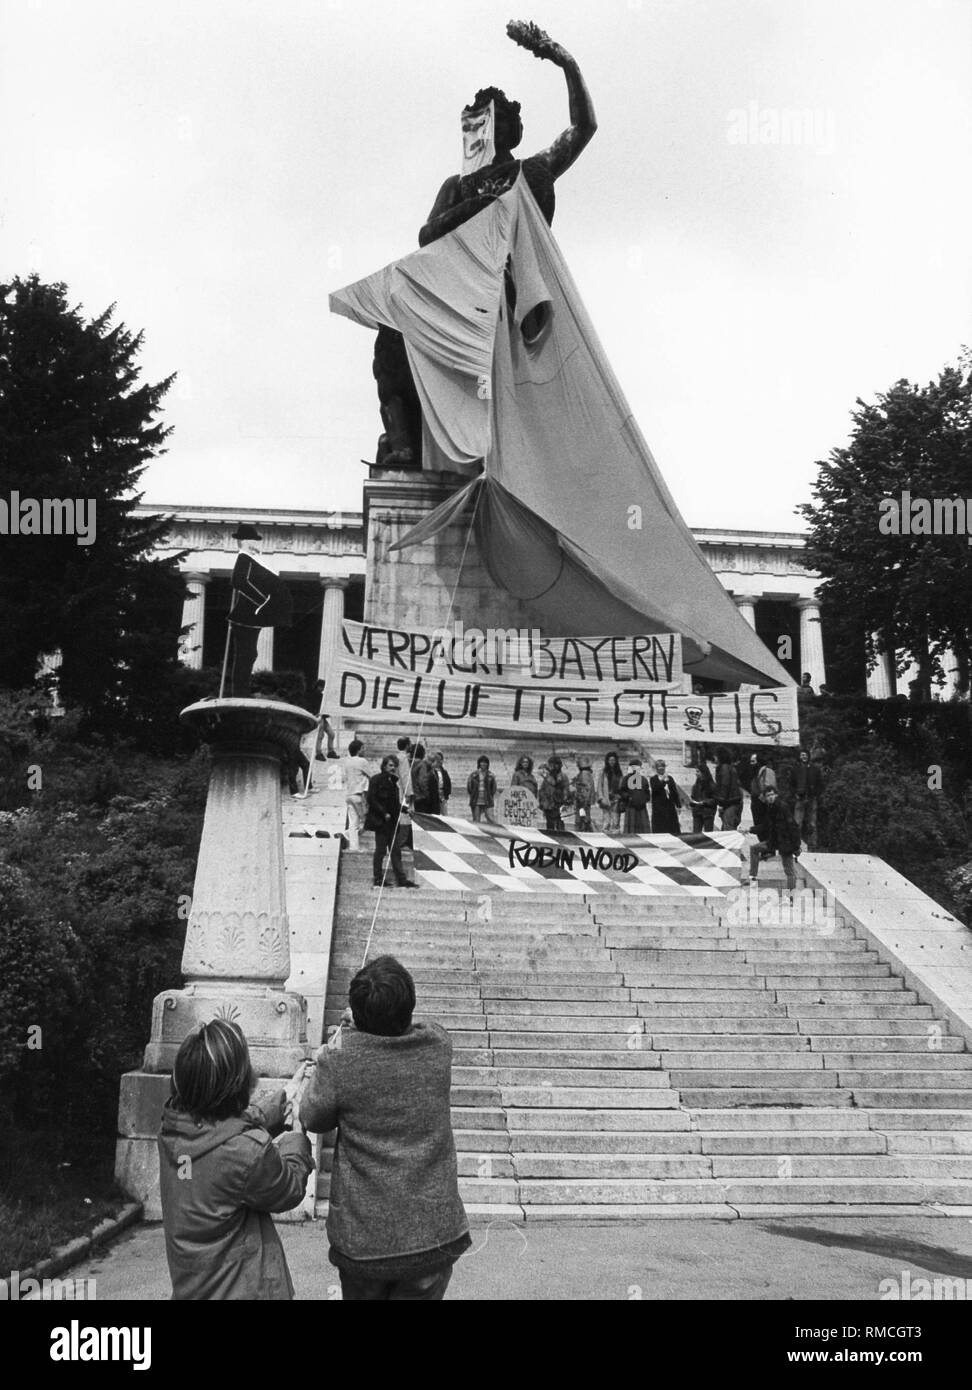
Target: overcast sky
(217, 168)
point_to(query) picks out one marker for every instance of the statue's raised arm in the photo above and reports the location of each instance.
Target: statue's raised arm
(583, 123)
(491, 131)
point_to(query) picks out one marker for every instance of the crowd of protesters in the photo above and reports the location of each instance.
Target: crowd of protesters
(604, 796)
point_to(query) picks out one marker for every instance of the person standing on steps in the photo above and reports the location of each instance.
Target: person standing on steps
(665, 801)
(609, 793)
(523, 774)
(764, 779)
(442, 780)
(703, 800)
(778, 834)
(555, 793)
(395, 1219)
(481, 789)
(807, 786)
(357, 775)
(324, 727)
(729, 797)
(634, 798)
(384, 809)
(584, 793)
(425, 788)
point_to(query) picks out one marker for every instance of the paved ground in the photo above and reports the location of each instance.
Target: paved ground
(796, 1258)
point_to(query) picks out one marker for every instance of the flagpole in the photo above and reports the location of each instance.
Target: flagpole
(222, 679)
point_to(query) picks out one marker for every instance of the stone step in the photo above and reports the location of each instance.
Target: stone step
(876, 992)
(560, 1076)
(592, 1192)
(940, 1142)
(634, 1059)
(548, 1025)
(606, 1166)
(793, 1142)
(841, 942)
(901, 1062)
(480, 1140)
(717, 1097)
(562, 1141)
(868, 980)
(863, 1167)
(879, 1191)
(596, 1097)
(642, 966)
(632, 1038)
(602, 994)
(743, 1062)
(815, 1078)
(832, 960)
(916, 1118)
(739, 1120)
(593, 1122)
(481, 1118)
(695, 989)
(488, 1192)
(877, 1043)
(755, 1009)
(578, 1194)
(834, 1028)
(809, 1012)
(623, 910)
(712, 933)
(912, 1079)
(713, 1041)
(582, 1008)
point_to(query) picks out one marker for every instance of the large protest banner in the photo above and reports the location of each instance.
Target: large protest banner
(614, 687)
(480, 857)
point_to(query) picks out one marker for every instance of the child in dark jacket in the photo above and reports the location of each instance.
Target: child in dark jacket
(221, 1174)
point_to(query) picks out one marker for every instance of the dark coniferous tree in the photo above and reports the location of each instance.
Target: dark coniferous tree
(76, 422)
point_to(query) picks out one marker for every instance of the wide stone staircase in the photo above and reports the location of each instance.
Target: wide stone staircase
(666, 1056)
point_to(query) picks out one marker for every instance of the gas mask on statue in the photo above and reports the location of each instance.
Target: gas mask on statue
(478, 145)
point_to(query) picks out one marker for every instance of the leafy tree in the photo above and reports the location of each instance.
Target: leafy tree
(77, 423)
(915, 590)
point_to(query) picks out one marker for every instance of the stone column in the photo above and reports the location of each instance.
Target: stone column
(237, 951)
(880, 681)
(811, 642)
(49, 674)
(747, 607)
(332, 616)
(264, 656)
(950, 667)
(194, 617)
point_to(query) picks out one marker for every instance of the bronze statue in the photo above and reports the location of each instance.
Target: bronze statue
(464, 195)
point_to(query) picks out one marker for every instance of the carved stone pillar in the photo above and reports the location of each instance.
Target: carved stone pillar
(332, 617)
(811, 642)
(747, 607)
(950, 666)
(264, 656)
(194, 618)
(881, 681)
(237, 951)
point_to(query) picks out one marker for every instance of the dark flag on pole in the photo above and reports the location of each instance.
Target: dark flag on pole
(260, 597)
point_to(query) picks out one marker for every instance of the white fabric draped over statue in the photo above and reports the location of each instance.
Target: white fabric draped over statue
(570, 510)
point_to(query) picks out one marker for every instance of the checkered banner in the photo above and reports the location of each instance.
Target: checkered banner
(480, 857)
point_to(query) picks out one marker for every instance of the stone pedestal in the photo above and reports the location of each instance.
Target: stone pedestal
(237, 952)
(417, 587)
